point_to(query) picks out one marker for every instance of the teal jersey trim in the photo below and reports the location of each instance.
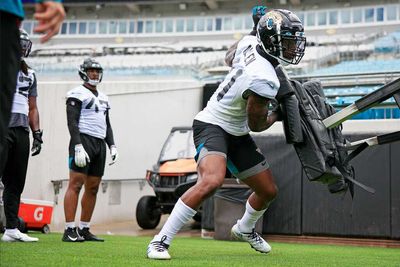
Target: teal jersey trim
(198, 151)
(70, 159)
(231, 167)
(15, 7)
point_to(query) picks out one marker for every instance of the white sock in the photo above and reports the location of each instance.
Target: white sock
(180, 215)
(84, 224)
(250, 217)
(13, 231)
(69, 225)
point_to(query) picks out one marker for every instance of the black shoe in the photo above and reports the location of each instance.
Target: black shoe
(88, 236)
(71, 235)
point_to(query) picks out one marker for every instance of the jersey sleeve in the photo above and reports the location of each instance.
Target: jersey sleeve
(77, 94)
(33, 88)
(264, 87)
(262, 77)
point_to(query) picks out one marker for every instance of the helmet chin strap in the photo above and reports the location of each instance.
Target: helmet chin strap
(283, 62)
(93, 82)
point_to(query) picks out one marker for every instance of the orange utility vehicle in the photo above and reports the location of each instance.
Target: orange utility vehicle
(173, 174)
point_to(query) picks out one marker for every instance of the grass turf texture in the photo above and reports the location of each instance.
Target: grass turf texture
(131, 251)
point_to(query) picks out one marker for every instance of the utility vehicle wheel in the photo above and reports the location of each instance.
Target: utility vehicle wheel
(147, 213)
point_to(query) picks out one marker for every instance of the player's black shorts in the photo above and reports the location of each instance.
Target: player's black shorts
(244, 159)
(96, 149)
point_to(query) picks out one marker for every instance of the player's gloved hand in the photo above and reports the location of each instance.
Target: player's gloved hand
(81, 157)
(114, 154)
(258, 12)
(37, 142)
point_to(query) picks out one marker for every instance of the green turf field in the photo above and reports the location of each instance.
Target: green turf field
(131, 251)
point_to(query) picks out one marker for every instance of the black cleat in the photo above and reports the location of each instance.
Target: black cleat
(71, 235)
(88, 236)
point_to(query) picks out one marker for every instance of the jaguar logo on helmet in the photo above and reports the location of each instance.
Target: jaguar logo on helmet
(273, 18)
(90, 64)
(270, 23)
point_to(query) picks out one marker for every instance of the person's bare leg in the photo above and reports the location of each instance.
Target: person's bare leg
(88, 203)
(89, 197)
(264, 188)
(76, 180)
(265, 191)
(211, 174)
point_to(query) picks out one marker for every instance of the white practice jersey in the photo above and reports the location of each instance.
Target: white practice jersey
(92, 120)
(26, 86)
(250, 71)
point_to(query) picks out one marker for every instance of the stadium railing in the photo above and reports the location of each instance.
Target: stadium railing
(58, 184)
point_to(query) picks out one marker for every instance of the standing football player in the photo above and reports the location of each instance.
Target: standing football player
(14, 159)
(49, 16)
(221, 130)
(90, 130)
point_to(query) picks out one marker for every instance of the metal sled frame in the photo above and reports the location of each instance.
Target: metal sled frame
(366, 102)
(362, 104)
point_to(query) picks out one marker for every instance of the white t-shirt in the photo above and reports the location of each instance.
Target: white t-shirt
(92, 120)
(250, 71)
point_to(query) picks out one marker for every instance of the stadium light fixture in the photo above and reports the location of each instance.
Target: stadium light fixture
(133, 7)
(182, 6)
(99, 6)
(212, 4)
